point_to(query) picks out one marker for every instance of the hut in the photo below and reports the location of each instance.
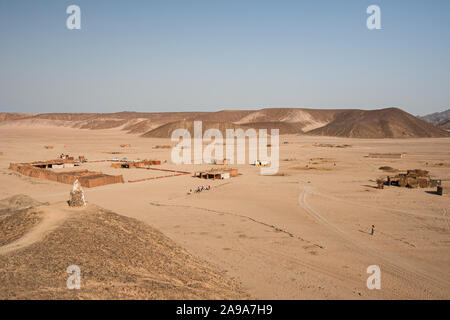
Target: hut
(216, 173)
(416, 178)
(134, 164)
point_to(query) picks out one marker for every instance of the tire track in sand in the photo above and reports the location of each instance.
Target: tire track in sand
(404, 270)
(240, 216)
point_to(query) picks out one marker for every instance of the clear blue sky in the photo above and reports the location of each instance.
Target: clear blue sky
(194, 55)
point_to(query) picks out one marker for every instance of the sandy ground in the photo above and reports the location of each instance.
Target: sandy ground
(303, 234)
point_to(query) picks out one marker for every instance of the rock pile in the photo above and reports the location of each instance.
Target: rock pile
(77, 196)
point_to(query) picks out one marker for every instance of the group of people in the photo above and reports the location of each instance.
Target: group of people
(200, 189)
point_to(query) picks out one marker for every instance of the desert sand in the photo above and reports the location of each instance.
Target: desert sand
(302, 234)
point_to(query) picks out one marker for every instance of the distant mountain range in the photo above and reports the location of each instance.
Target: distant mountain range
(382, 123)
(439, 119)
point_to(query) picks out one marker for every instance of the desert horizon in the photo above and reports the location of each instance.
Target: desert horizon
(350, 123)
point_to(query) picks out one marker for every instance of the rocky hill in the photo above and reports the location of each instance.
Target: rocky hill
(382, 123)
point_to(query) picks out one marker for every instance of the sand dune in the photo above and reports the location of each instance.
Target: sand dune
(290, 115)
(139, 126)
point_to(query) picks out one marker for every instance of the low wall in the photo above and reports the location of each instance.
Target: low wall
(159, 177)
(86, 178)
(386, 155)
(99, 180)
(131, 164)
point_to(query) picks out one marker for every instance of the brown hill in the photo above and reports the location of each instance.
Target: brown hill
(384, 123)
(165, 131)
(67, 116)
(287, 120)
(93, 121)
(5, 116)
(119, 258)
